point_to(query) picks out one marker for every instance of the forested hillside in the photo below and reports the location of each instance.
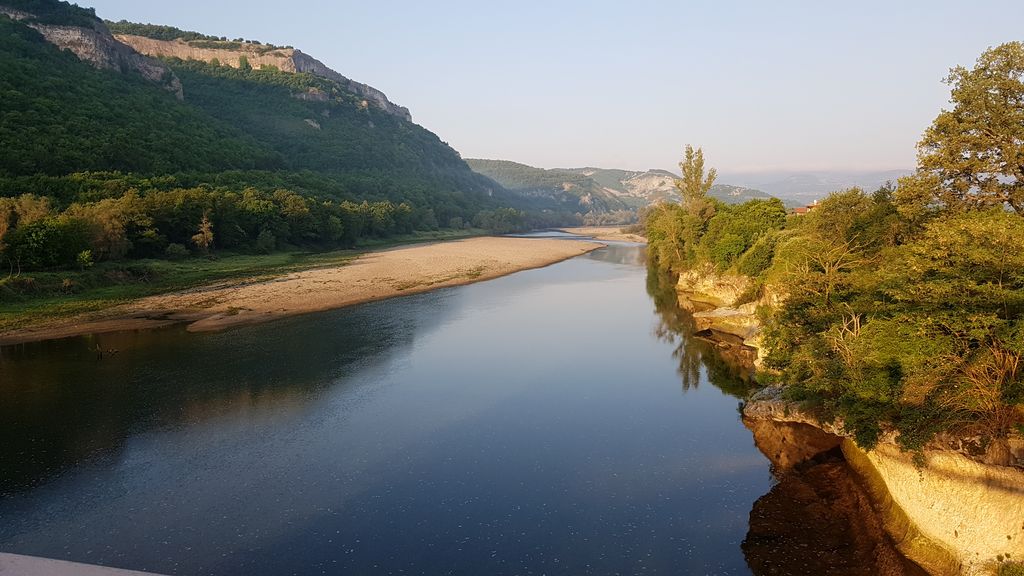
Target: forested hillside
(105, 164)
(555, 189)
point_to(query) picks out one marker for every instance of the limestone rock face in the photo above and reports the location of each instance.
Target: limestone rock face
(740, 321)
(705, 285)
(261, 56)
(98, 47)
(951, 513)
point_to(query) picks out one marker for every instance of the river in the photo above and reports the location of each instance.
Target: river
(555, 421)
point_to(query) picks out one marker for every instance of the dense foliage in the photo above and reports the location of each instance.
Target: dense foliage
(157, 32)
(60, 115)
(174, 222)
(903, 308)
(56, 12)
(101, 165)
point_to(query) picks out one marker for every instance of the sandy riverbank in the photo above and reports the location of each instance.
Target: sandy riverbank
(371, 276)
(611, 233)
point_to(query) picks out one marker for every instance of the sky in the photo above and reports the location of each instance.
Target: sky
(760, 86)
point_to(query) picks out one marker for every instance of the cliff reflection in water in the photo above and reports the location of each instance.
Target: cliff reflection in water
(730, 368)
(816, 519)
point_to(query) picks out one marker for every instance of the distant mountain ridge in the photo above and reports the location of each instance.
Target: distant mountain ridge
(802, 187)
(599, 189)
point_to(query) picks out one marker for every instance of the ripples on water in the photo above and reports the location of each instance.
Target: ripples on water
(556, 421)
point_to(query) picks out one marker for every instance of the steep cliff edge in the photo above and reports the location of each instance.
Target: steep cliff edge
(956, 508)
(950, 511)
(258, 56)
(92, 42)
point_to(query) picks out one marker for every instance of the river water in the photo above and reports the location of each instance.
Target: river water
(555, 421)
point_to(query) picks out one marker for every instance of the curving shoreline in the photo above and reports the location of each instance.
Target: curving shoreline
(371, 276)
(610, 233)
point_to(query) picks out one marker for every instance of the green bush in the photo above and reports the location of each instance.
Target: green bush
(266, 242)
(759, 257)
(175, 251)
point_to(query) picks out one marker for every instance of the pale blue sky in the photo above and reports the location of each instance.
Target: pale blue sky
(792, 85)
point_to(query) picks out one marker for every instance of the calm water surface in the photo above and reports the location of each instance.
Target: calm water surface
(548, 422)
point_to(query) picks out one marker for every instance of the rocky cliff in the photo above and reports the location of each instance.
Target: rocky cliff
(715, 301)
(950, 510)
(259, 56)
(955, 509)
(97, 46)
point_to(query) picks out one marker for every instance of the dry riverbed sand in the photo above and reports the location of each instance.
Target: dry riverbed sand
(611, 233)
(371, 276)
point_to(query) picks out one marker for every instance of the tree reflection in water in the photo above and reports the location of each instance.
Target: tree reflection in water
(727, 367)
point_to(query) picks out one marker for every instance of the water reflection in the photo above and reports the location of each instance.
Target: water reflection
(530, 424)
(817, 519)
(64, 405)
(728, 368)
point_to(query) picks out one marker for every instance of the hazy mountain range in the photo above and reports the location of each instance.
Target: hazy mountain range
(598, 189)
(805, 186)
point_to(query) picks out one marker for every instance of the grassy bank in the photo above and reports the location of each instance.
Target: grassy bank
(39, 297)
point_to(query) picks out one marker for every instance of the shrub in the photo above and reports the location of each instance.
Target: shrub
(175, 251)
(266, 242)
(84, 259)
(759, 257)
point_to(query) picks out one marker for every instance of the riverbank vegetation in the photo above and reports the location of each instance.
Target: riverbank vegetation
(111, 183)
(33, 298)
(902, 306)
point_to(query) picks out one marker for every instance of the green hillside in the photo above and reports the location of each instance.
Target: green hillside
(555, 189)
(61, 115)
(737, 194)
(104, 170)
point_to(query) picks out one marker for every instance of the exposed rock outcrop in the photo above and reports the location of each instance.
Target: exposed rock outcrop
(714, 298)
(818, 517)
(98, 47)
(952, 513)
(261, 56)
(704, 284)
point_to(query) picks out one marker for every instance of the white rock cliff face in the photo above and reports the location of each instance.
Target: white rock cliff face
(99, 48)
(949, 512)
(707, 287)
(259, 56)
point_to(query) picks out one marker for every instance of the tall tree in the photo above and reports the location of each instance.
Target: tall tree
(694, 184)
(976, 150)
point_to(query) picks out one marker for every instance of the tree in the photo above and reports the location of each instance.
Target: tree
(694, 184)
(204, 239)
(976, 150)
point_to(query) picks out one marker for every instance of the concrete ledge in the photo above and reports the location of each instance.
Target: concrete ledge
(18, 565)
